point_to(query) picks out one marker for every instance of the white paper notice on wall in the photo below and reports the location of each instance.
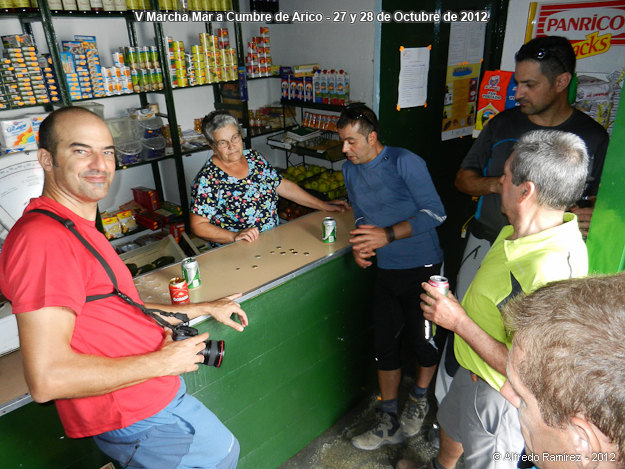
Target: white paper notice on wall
(413, 76)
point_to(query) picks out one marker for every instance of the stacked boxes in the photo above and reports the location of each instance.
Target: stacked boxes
(20, 133)
(116, 79)
(81, 65)
(258, 59)
(50, 79)
(93, 64)
(309, 83)
(21, 80)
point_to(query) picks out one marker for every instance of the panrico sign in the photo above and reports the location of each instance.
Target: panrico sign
(592, 27)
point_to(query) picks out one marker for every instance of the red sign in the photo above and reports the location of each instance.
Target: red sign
(592, 27)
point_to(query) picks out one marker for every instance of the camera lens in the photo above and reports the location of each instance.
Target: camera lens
(213, 353)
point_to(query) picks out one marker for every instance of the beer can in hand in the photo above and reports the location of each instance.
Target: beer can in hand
(191, 272)
(442, 285)
(179, 291)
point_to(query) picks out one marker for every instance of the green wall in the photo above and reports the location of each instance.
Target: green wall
(304, 360)
(606, 238)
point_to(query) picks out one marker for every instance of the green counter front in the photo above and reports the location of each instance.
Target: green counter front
(302, 362)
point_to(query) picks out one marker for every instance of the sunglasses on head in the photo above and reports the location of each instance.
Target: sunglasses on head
(545, 54)
(356, 113)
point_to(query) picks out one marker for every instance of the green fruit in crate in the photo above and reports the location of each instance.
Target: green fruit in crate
(338, 176)
(324, 187)
(325, 175)
(291, 170)
(300, 177)
(309, 174)
(334, 185)
(317, 169)
(314, 185)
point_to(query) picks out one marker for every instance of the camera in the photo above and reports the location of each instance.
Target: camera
(213, 353)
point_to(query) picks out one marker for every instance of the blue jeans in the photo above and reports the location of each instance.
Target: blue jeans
(185, 434)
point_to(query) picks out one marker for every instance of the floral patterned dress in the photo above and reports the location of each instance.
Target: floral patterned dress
(235, 204)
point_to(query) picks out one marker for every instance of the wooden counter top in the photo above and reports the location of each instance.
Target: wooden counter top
(239, 267)
(244, 267)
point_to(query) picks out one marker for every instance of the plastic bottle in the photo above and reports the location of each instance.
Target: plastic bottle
(56, 6)
(317, 86)
(96, 6)
(323, 86)
(332, 87)
(340, 88)
(69, 6)
(84, 6)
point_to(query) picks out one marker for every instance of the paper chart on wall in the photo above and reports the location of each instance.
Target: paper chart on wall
(413, 77)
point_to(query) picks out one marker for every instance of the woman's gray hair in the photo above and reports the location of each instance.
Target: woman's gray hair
(556, 162)
(215, 121)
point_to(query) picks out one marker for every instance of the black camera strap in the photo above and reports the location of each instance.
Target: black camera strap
(154, 313)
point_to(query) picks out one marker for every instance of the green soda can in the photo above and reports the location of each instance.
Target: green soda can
(191, 272)
(328, 230)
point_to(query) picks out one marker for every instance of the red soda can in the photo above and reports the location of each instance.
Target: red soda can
(179, 291)
(442, 285)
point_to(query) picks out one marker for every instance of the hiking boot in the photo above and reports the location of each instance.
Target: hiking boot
(413, 415)
(385, 432)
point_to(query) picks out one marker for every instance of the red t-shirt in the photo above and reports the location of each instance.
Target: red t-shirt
(43, 264)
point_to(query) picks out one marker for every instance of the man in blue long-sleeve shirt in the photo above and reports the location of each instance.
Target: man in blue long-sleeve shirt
(397, 210)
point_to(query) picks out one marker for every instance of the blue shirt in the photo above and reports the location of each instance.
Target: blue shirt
(393, 187)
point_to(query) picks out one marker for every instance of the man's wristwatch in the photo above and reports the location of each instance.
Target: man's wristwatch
(390, 234)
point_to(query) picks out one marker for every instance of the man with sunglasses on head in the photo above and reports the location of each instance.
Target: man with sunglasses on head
(397, 210)
(544, 69)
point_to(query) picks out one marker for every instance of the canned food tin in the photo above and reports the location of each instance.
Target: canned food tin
(179, 291)
(191, 272)
(442, 285)
(328, 230)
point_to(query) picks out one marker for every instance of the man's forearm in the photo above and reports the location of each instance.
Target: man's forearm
(402, 230)
(493, 352)
(472, 183)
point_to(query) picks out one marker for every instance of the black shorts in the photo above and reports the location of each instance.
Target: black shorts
(397, 317)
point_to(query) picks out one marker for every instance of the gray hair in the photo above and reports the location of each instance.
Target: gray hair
(556, 162)
(215, 121)
(571, 335)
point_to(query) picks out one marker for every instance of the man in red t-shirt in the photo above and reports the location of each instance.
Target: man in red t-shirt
(112, 370)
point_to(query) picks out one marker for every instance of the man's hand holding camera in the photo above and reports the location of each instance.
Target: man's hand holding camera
(182, 356)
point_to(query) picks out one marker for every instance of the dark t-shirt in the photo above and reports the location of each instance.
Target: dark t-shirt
(494, 145)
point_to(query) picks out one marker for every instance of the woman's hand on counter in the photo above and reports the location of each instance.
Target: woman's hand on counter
(223, 309)
(337, 206)
(248, 234)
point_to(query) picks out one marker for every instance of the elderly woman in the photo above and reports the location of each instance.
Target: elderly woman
(235, 194)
